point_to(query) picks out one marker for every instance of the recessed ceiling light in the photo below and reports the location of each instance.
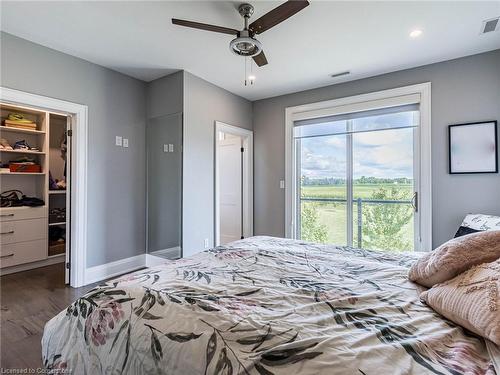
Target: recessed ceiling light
(415, 33)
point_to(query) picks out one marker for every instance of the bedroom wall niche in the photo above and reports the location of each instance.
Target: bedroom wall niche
(164, 185)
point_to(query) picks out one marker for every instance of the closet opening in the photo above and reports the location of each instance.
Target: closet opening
(35, 186)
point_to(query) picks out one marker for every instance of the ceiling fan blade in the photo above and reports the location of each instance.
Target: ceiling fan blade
(205, 26)
(260, 59)
(277, 15)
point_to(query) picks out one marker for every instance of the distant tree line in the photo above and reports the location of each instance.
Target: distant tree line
(363, 180)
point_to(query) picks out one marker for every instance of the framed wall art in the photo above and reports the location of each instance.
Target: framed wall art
(473, 148)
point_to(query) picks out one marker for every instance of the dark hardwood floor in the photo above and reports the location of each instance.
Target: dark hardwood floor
(29, 300)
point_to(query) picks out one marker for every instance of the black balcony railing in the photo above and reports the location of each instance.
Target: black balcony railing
(359, 202)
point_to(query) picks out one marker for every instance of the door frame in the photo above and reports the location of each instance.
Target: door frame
(419, 93)
(78, 168)
(247, 136)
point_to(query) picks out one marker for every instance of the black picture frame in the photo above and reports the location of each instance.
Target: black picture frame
(450, 127)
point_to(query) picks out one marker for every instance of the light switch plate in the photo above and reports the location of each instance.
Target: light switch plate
(170, 147)
(118, 140)
(282, 184)
(206, 243)
(165, 148)
(125, 142)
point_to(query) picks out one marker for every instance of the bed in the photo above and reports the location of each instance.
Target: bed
(264, 306)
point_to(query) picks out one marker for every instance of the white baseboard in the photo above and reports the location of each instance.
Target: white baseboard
(119, 267)
(152, 261)
(170, 253)
(29, 266)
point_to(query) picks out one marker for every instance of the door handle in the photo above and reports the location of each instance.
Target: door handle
(9, 232)
(414, 201)
(7, 256)
(6, 215)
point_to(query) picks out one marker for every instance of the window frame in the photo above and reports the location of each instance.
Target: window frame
(419, 93)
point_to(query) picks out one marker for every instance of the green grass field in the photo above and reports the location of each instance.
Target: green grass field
(338, 191)
(333, 214)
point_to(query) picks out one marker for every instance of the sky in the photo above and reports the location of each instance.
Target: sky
(382, 153)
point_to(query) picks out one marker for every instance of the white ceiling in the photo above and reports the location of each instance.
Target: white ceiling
(367, 38)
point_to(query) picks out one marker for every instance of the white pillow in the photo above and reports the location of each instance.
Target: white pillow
(482, 222)
(478, 223)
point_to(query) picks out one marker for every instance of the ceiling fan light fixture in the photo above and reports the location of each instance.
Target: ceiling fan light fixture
(245, 46)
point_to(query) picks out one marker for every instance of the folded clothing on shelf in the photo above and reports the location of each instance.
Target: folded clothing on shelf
(23, 145)
(19, 146)
(4, 167)
(17, 120)
(4, 144)
(55, 184)
(16, 198)
(25, 164)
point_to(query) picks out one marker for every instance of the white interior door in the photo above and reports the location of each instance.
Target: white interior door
(230, 188)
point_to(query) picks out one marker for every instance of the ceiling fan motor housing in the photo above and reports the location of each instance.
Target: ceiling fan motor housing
(244, 45)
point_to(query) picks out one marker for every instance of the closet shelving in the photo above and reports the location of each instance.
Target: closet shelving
(57, 192)
(23, 173)
(57, 198)
(24, 238)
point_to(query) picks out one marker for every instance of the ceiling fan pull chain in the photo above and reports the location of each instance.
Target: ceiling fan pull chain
(251, 76)
(245, 70)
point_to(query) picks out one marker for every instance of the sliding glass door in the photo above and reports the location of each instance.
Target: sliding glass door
(357, 178)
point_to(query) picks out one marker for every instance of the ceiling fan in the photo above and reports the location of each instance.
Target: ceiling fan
(245, 43)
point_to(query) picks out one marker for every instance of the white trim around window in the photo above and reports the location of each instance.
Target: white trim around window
(419, 93)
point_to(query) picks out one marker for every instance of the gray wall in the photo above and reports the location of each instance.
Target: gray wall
(204, 103)
(117, 106)
(463, 90)
(164, 96)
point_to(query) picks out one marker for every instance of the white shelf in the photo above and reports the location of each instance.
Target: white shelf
(23, 152)
(18, 208)
(59, 223)
(57, 255)
(57, 191)
(19, 130)
(22, 173)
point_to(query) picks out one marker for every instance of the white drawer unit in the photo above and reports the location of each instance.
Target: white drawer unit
(22, 252)
(23, 230)
(22, 213)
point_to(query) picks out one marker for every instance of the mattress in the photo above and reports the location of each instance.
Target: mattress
(264, 306)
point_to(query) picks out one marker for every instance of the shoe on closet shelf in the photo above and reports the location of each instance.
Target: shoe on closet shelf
(4, 145)
(23, 145)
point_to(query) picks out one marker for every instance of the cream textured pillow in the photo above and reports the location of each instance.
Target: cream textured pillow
(470, 300)
(454, 257)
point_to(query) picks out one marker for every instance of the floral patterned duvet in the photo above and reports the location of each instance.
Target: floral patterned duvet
(263, 306)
